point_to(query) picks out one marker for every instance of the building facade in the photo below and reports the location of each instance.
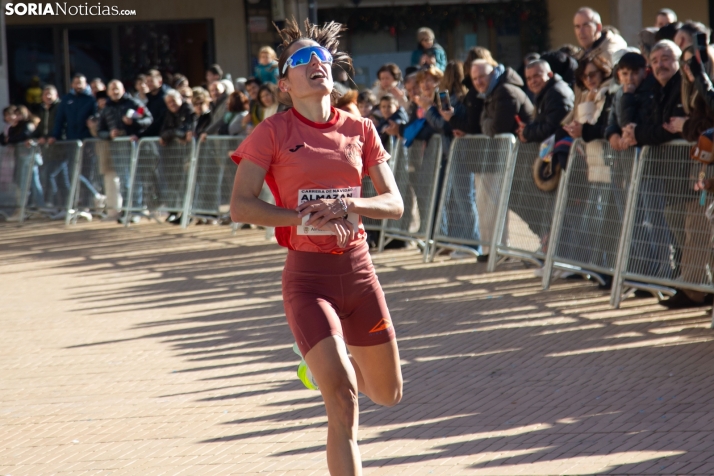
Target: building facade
(187, 35)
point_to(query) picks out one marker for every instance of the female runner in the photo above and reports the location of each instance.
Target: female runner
(313, 157)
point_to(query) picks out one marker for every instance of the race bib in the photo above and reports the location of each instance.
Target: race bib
(307, 195)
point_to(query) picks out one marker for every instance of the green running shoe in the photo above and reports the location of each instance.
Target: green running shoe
(303, 371)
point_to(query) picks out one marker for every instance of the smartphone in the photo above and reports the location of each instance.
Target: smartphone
(700, 45)
(444, 100)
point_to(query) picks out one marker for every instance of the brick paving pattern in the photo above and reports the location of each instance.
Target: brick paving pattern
(152, 350)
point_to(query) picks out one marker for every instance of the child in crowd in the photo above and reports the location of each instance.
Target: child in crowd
(267, 68)
(366, 103)
(390, 110)
(631, 73)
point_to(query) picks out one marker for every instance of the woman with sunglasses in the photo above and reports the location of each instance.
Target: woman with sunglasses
(313, 157)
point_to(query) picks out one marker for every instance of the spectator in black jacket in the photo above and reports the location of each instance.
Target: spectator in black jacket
(695, 230)
(178, 122)
(631, 72)
(155, 102)
(554, 100)
(500, 88)
(473, 103)
(391, 111)
(123, 115)
(657, 100)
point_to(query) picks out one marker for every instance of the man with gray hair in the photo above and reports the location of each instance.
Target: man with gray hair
(658, 100)
(591, 37)
(553, 101)
(500, 89)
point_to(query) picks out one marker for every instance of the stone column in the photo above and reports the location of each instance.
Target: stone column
(626, 16)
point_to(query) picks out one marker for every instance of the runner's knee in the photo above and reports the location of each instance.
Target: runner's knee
(341, 402)
(387, 395)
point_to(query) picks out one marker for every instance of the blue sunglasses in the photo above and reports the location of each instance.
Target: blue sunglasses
(304, 55)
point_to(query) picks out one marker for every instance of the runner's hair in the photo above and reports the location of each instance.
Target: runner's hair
(326, 36)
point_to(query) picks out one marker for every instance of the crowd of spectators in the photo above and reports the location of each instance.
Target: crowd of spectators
(601, 88)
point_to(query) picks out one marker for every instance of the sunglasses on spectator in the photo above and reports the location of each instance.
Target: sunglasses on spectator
(304, 56)
(591, 75)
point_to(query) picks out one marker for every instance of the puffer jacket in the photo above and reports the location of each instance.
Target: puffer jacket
(47, 120)
(506, 101)
(177, 124)
(654, 105)
(553, 103)
(111, 116)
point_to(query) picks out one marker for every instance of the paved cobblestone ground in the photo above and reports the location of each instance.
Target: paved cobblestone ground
(152, 350)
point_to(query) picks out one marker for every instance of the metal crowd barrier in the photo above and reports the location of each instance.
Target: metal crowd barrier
(211, 179)
(101, 177)
(530, 212)
(16, 173)
(416, 171)
(471, 211)
(158, 178)
(667, 241)
(590, 211)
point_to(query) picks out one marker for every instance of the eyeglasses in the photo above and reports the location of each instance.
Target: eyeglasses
(591, 75)
(304, 56)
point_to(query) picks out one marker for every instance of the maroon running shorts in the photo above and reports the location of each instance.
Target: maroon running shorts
(335, 295)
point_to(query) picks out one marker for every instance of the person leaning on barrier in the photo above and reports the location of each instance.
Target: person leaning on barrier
(201, 102)
(591, 109)
(219, 107)
(554, 100)
(155, 102)
(503, 99)
(699, 116)
(179, 119)
(631, 71)
(123, 115)
(473, 103)
(75, 108)
(695, 240)
(657, 100)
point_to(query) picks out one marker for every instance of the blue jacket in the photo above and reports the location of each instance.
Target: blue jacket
(438, 52)
(72, 115)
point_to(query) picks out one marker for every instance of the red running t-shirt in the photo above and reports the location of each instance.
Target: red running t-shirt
(299, 154)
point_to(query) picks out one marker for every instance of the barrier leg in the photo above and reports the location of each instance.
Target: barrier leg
(190, 187)
(623, 250)
(502, 213)
(26, 178)
(555, 227)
